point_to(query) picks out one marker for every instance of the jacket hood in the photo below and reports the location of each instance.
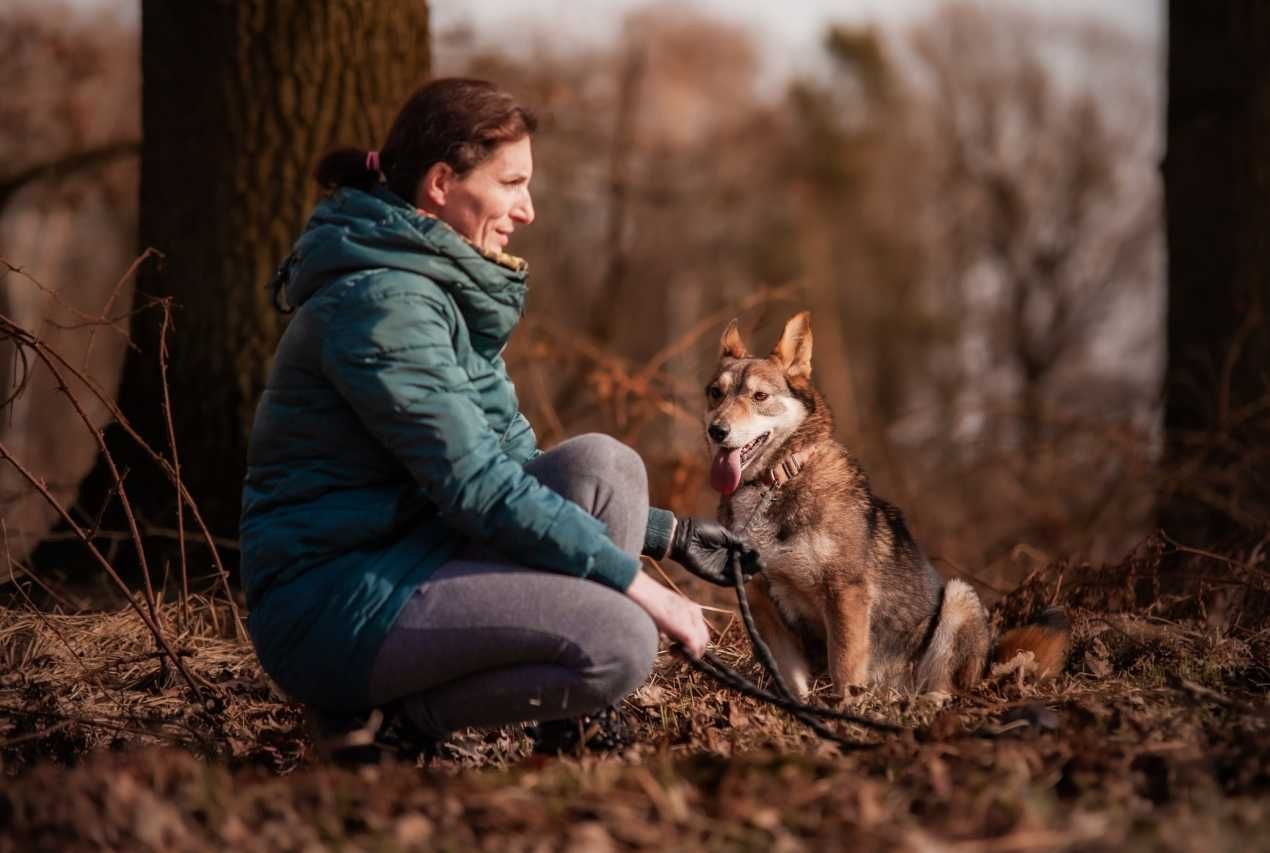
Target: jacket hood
(353, 230)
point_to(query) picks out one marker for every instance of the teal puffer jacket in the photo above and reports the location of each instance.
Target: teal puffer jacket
(389, 435)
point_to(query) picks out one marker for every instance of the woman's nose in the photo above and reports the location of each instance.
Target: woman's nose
(523, 212)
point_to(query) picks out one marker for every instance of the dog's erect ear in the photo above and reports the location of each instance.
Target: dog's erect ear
(793, 350)
(731, 345)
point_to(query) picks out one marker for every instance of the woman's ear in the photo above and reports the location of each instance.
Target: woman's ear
(434, 189)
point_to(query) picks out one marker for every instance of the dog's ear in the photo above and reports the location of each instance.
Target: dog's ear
(731, 345)
(793, 350)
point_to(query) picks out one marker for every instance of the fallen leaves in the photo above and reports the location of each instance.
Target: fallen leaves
(1157, 736)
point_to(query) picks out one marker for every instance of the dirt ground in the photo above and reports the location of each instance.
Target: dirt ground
(1156, 738)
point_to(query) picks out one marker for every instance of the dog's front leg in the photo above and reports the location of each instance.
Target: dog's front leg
(786, 647)
(847, 611)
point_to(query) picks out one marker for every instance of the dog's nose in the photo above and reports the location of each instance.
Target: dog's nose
(718, 432)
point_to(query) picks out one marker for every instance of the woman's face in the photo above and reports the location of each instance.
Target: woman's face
(487, 203)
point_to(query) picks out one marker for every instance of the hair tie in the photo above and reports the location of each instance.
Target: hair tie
(372, 161)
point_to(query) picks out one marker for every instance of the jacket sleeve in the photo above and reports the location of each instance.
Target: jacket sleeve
(391, 357)
(657, 535)
(520, 441)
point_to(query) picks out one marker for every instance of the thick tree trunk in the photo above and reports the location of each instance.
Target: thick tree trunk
(239, 101)
(1217, 182)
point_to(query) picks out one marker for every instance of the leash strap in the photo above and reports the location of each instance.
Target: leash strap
(764, 655)
(716, 669)
(808, 714)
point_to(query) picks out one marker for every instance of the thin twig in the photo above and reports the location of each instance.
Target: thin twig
(116, 478)
(105, 564)
(24, 337)
(150, 530)
(1200, 552)
(665, 577)
(176, 464)
(114, 294)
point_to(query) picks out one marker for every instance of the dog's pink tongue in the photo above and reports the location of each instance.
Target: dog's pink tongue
(725, 473)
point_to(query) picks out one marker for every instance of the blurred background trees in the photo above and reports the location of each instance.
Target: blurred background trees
(970, 205)
(976, 232)
(70, 132)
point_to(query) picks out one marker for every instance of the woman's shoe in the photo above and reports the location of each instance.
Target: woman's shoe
(603, 731)
(367, 739)
(348, 740)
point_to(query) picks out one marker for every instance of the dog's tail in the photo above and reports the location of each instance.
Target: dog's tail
(1049, 640)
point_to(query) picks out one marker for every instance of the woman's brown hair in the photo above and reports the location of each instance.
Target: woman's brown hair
(451, 120)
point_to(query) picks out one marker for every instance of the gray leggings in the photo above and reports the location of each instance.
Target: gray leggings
(485, 642)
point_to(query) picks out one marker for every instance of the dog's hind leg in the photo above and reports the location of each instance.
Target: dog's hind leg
(785, 645)
(958, 651)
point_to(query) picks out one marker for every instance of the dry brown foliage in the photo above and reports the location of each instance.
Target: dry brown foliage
(1157, 735)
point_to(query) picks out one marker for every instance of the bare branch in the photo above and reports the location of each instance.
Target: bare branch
(70, 164)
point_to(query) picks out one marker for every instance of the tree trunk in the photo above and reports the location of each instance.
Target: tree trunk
(240, 99)
(1217, 189)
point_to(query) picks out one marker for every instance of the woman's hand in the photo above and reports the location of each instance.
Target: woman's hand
(675, 616)
(705, 548)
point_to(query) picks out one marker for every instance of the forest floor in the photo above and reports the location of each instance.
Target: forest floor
(1157, 737)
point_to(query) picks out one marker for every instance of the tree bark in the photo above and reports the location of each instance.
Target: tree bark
(239, 100)
(1217, 190)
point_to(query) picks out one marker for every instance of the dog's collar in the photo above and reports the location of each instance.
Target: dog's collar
(785, 470)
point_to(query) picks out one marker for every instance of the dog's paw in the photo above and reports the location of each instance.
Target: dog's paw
(839, 696)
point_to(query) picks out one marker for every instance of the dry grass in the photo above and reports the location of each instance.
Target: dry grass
(1155, 738)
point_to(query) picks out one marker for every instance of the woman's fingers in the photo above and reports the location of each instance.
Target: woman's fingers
(675, 616)
(695, 634)
(683, 622)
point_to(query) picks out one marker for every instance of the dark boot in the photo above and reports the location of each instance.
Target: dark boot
(345, 739)
(360, 740)
(603, 731)
(407, 741)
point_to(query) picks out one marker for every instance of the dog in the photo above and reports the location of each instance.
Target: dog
(845, 581)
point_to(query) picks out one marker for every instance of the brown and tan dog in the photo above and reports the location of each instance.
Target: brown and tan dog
(845, 580)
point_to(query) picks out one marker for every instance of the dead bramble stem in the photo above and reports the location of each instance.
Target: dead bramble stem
(176, 463)
(154, 627)
(65, 374)
(24, 339)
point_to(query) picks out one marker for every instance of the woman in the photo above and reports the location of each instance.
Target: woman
(403, 539)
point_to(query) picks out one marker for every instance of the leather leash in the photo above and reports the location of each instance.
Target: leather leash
(808, 714)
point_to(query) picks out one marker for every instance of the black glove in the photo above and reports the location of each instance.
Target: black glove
(705, 549)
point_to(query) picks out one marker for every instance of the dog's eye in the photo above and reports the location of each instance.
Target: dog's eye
(713, 392)
(760, 396)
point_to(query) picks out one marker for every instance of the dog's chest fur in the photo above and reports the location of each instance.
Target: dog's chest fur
(792, 526)
(823, 528)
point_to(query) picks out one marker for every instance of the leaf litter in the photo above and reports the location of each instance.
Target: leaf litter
(1157, 737)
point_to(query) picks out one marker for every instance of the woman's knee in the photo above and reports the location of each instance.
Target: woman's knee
(604, 457)
(622, 657)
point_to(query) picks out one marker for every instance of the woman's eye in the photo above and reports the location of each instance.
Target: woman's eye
(760, 396)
